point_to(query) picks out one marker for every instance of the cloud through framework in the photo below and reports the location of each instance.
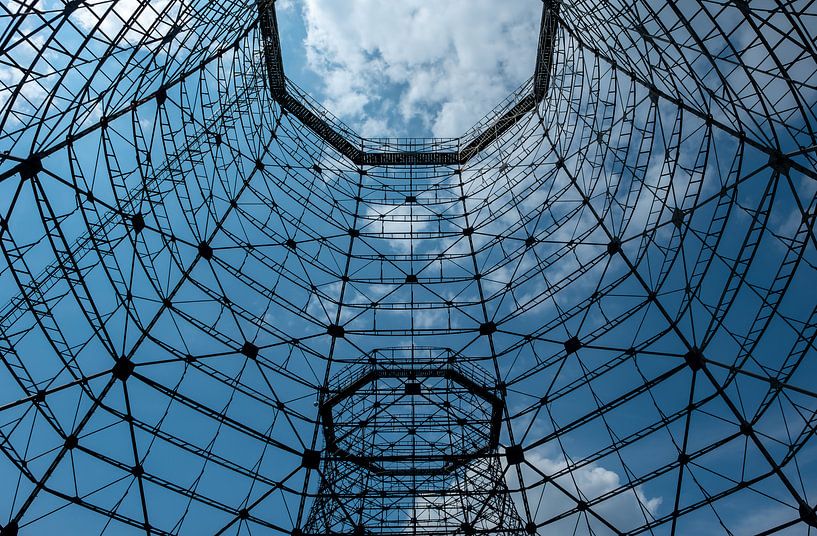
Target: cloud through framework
(389, 66)
(227, 313)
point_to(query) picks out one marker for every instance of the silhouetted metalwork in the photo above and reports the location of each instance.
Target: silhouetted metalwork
(593, 313)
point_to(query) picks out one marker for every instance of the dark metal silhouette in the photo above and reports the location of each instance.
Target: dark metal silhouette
(226, 313)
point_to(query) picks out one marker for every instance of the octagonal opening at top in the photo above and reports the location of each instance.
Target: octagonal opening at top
(411, 410)
(414, 68)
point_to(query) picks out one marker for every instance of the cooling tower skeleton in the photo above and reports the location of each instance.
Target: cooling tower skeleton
(227, 313)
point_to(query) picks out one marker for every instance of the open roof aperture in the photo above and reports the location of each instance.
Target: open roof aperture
(414, 68)
(380, 151)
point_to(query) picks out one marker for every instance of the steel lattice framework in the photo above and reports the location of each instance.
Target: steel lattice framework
(226, 313)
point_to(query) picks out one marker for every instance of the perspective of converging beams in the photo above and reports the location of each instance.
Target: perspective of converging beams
(427, 267)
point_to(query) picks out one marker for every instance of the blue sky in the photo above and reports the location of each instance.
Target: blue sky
(414, 68)
(409, 68)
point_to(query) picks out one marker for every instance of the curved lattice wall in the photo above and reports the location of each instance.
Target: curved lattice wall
(603, 322)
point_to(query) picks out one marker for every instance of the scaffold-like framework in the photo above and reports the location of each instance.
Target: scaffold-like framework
(224, 312)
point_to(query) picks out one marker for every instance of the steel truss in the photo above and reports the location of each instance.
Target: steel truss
(227, 313)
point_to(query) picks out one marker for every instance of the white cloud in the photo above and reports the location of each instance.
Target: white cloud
(142, 19)
(626, 510)
(430, 319)
(161, 26)
(443, 63)
(400, 223)
(34, 88)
